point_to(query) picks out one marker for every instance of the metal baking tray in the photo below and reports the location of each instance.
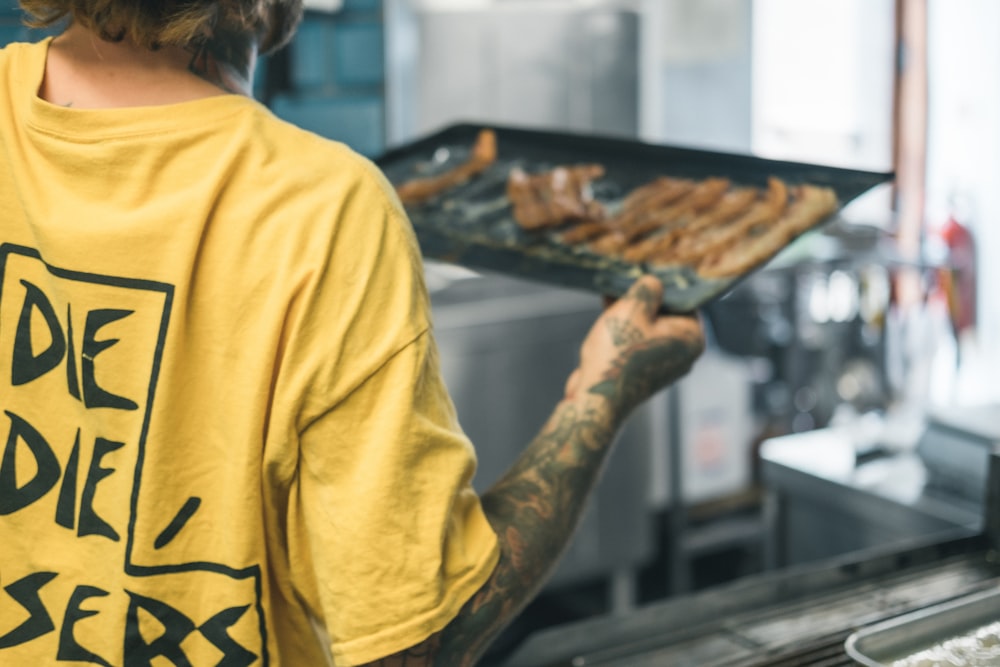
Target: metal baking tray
(472, 225)
(882, 644)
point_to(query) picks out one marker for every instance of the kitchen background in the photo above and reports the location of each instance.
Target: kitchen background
(842, 353)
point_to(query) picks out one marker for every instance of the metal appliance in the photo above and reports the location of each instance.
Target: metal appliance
(955, 448)
(839, 490)
(817, 316)
(799, 616)
(554, 63)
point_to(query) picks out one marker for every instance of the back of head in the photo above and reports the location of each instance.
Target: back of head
(185, 23)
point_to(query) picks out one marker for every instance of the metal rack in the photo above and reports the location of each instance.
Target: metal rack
(799, 616)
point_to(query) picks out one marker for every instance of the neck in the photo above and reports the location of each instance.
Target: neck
(83, 70)
(226, 61)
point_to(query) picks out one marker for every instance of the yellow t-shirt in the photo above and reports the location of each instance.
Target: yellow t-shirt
(223, 421)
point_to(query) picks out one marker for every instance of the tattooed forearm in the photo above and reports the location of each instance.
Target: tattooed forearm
(534, 509)
(636, 376)
(536, 506)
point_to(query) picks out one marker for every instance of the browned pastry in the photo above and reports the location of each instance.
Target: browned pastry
(555, 197)
(691, 248)
(484, 154)
(715, 228)
(704, 195)
(693, 200)
(664, 203)
(810, 204)
(732, 204)
(644, 193)
(611, 243)
(585, 231)
(653, 196)
(640, 201)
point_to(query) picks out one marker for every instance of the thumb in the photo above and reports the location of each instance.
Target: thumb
(647, 291)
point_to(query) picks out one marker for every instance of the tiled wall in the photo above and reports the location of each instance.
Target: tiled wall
(336, 72)
(337, 76)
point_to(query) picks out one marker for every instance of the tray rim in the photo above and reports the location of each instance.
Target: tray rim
(853, 645)
(471, 127)
(847, 183)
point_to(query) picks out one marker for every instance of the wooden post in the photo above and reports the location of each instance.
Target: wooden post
(910, 140)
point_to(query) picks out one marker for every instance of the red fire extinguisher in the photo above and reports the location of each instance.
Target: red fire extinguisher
(958, 277)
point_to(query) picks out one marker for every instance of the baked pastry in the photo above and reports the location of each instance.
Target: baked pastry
(484, 154)
(555, 197)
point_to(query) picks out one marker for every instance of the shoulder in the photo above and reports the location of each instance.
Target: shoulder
(351, 251)
(313, 206)
(334, 205)
(307, 154)
(326, 176)
(10, 49)
(13, 55)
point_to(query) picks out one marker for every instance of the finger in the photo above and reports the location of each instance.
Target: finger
(647, 291)
(687, 328)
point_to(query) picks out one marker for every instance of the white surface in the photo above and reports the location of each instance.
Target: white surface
(823, 81)
(964, 136)
(831, 454)
(716, 428)
(716, 432)
(695, 31)
(979, 647)
(695, 73)
(324, 5)
(826, 453)
(561, 65)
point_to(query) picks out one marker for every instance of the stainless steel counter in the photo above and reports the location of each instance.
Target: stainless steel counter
(829, 495)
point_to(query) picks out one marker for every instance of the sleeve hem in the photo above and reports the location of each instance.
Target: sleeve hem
(422, 625)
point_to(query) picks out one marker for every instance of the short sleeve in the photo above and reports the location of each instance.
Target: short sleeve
(388, 539)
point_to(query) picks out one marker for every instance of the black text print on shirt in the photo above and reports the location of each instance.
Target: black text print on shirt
(80, 355)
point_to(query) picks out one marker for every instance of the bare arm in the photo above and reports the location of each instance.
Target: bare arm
(535, 507)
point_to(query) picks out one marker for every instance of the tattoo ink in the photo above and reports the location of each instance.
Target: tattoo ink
(225, 60)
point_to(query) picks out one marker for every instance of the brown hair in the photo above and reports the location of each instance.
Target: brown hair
(155, 23)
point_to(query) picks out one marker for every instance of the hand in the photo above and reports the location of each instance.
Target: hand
(632, 352)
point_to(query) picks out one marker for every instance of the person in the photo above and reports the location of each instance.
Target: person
(227, 437)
